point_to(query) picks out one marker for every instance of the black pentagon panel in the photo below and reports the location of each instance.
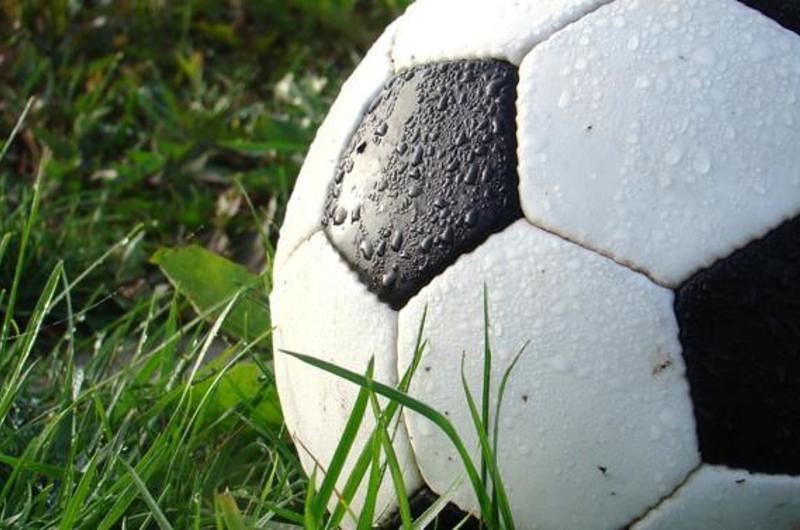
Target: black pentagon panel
(784, 12)
(740, 329)
(429, 174)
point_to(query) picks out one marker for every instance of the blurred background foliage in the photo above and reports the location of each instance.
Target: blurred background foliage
(152, 124)
(163, 113)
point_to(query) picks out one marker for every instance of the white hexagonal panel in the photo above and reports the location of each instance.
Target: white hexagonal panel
(663, 134)
(597, 424)
(320, 308)
(718, 498)
(305, 209)
(444, 30)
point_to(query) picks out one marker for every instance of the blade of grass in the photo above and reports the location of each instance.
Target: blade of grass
(488, 457)
(47, 470)
(14, 381)
(429, 516)
(438, 419)
(310, 520)
(339, 458)
(20, 265)
(78, 497)
(17, 127)
(4, 245)
(146, 496)
(367, 515)
(501, 393)
(496, 427)
(487, 380)
(362, 464)
(391, 460)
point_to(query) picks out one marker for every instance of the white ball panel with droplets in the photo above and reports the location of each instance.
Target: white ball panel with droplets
(597, 414)
(445, 30)
(663, 134)
(305, 208)
(320, 308)
(718, 498)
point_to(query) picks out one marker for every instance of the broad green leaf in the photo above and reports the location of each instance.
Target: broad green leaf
(243, 384)
(209, 280)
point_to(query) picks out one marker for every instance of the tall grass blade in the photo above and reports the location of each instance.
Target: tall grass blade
(155, 510)
(487, 380)
(487, 456)
(367, 515)
(78, 497)
(391, 461)
(407, 401)
(17, 127)
(26, 232)
(4, 241)
(432, 512)
(393, 408)
(339, 458)
(14, 381)
(310, 519)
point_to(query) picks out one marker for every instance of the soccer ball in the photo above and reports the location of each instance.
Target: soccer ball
(623, 178)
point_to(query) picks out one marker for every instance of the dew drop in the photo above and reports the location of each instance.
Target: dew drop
(564, 100)
(702, 162)
(472, 174)
(493, 87)
(396, 240)
(642, 82)
(674, 155)
(416, 156)
(447, 235)
(366, 249)
(729, 133)
(339, 216)
(388, 279)
(426, 244)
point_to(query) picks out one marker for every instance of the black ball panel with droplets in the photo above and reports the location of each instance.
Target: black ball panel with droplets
(740, 329)
(429, 174)
(784, 12)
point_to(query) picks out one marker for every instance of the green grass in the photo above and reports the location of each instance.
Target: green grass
(129, 398)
